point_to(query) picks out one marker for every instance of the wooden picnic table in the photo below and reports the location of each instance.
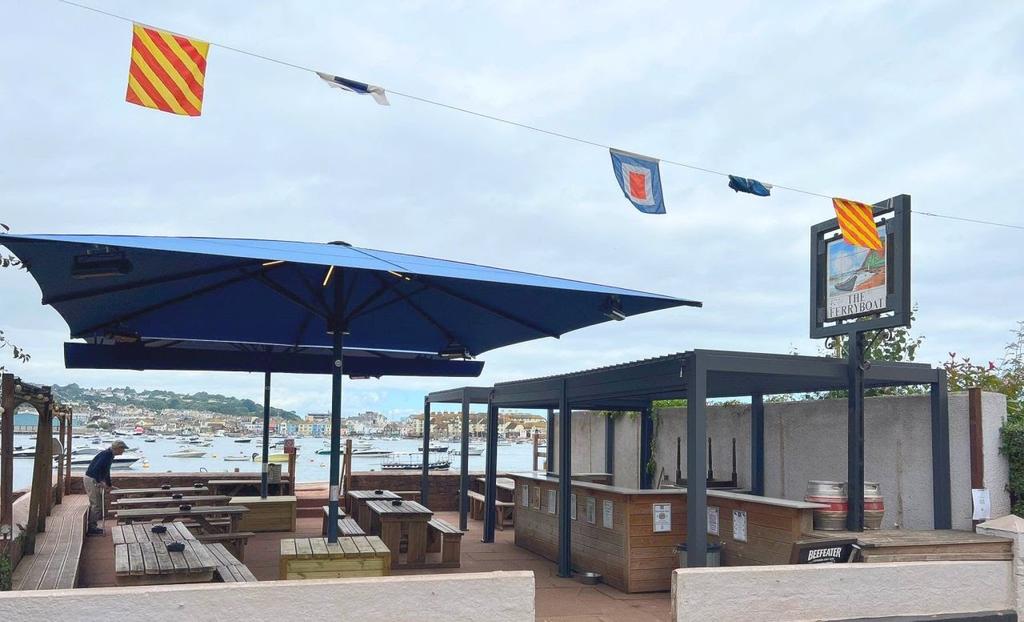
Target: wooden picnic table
(156, 492)
(157, 502)
(246, 487)
(357, 505)
(391, 521)
(141, 556)
(201, 514)
(506, 487)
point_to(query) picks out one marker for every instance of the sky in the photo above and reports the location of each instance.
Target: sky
(859, 99)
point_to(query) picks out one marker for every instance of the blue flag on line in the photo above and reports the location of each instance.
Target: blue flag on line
(750, 186)
(640, 180)
(352, 86)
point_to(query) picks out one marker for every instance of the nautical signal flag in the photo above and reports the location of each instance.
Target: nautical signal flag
(640, 180)
(167, 71)
(377, 92)
(857, 223)
(750, 186)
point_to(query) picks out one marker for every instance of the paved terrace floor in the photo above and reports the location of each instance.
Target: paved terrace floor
(558, 599)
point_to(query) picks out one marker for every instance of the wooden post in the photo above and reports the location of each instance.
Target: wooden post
(347, 477)
(67, 450)
(292, 462)
(976, 440)
(63, 429)
(36, 513)
(536, 451)
(7, 456)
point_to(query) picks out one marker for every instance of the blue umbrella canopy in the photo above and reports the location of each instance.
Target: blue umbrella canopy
(159, 354)
(294, 293)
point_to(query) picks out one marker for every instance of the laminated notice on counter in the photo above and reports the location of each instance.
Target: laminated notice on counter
(739, 525)
(524, 495)
(607, 518)
(592, 510)
(552, 501)
(662, 517)
(712, 520)
(982, 504)
(572, 506)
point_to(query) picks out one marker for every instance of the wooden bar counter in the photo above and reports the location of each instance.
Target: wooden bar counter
(630, 535)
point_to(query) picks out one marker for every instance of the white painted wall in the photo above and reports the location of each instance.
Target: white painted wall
(840, 591)
(807, 440)
(416, 598)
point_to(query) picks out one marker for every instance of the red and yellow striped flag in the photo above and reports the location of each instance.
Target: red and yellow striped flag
(857, 223)
(167, 71)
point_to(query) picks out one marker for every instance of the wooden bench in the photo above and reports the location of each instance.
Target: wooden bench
(504, 510)
(446, 539)
(326, 510)
(349, 527)
(411, 495)
(236, 540)
(229, 569)
(54, 565)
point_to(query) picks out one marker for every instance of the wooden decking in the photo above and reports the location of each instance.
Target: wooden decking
(904, 545)
(55, 563)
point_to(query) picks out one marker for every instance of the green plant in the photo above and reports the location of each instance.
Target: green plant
(5, 573)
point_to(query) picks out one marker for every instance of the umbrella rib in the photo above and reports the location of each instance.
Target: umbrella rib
(388, 303)
(502, 314)
(365, 303)
(165, 303)
(157, 280)
(290, 296)
(415, 307)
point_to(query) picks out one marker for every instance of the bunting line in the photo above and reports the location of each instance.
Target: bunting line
(148, 95)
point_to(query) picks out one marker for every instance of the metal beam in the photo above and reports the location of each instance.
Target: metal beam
(7, 455)
(564, 483)
(941, 499)
(696, 463)
(855, 432)
(264, 482)
(609, 445)
(491, 474)
(757, 444)
(646, 435)
(464, 468)
(425, 472)
(550, 453)
(336, 378)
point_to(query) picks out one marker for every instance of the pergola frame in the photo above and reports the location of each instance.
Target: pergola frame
(697, 376)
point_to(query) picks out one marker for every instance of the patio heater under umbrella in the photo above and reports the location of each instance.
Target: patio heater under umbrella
(299, 293)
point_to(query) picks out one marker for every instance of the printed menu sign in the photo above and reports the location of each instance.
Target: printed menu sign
(662, 517)
(572, 506)
(739, 525)
(607, 507)
(552, 501)
(712, 520)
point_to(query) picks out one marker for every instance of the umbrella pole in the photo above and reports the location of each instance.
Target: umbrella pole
(266, 435)
(332, 512)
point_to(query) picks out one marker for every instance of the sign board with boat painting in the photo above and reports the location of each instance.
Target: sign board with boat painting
(854, 288)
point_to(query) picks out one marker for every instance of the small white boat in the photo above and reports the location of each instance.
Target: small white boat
(474, 450)
(186, 453)
(238, 458)
(441, 449)
(398, 461)
(124, 461)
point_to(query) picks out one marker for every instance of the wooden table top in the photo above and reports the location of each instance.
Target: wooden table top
(139, 551)
(121, 492)
(345, 547)
(370, 495)
(195, 500)
(197, 510)
(505, 483)
(239, 482)
(406, 509)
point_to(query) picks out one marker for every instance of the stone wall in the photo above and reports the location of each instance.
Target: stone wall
(807, 440)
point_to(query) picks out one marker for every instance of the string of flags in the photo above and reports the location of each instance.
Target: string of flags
(168, 73)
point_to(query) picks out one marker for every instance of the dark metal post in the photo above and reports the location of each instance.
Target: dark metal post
(855, 432)
(425, 473)
(696, 458)
(491, 475)
(609, 446)
(564, 482)
(941, 501)
(464, 467)
(646, 432)
(549, 453)
(266, 436)
(336, 373)
(757, 444)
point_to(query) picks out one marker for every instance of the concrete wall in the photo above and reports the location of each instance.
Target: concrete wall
(807, 440)
(840, 591)
(588, 443)
(417, 598)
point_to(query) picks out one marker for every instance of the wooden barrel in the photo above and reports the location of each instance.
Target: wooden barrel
(833, 495)
(874, 505)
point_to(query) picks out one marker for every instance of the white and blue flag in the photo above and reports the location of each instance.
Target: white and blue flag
(377, 92)
(640, 180)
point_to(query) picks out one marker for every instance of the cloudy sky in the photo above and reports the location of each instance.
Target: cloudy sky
(858, 99)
